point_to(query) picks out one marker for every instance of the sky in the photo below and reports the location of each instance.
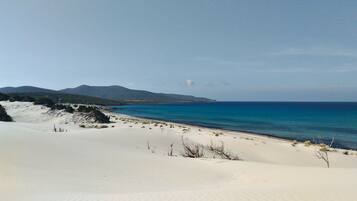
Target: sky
(221, 49)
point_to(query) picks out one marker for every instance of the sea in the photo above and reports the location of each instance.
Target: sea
(319, 122)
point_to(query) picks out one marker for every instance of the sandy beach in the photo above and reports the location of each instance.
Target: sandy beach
(131, 160)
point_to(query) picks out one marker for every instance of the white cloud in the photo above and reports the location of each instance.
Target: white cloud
(189, 83)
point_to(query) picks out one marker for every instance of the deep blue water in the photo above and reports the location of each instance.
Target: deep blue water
(319, 122)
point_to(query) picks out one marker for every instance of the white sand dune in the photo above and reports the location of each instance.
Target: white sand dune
(130, 162)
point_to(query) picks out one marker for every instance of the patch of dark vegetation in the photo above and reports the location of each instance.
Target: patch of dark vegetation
(3, 115)
(66, 108)
(98, 116)
(44, 101)
(13, 98)
(86, 109)
(28, 99)
(58, 107)
(69, 109)
(91, 112)
(25, 98)
(94, 114)
(4, 97)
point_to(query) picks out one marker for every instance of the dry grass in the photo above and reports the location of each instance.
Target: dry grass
(192, 150)
(220, 151)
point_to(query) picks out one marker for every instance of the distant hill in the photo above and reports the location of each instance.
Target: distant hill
(104, 95)
(58, 97)
(130, 95)
(25, 89)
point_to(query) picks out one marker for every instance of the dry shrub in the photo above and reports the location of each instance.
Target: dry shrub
(307, 143)
(322, 153)
(220, 151)
(294, 143)
(192, 150)
(171, 150)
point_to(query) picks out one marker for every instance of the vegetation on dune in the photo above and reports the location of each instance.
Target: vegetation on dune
(192, 150)
(69, 109)
(86, 109)
(44, 101)
(322, 152)
(3, 115)
(94, 113)
(98, 116)
(4, 97)
(66, 108)
(90, 112)
(28, 99)
(13, 98)
(220, 151)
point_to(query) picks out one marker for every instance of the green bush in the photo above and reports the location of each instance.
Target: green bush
(66, 108)
(58, 107)
(44, 101)
(69, 109)
(98, 116)
(4, 97)
(28, 99)
(86, 109)
(3, 115)
(15, 98)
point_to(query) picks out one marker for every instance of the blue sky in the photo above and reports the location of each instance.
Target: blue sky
(226, 50)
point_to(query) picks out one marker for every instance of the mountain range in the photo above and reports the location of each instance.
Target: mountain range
(110, 94)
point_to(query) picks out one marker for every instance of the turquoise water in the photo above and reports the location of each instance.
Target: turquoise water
(319, 122)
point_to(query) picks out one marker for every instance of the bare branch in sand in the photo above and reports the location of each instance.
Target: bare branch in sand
(322, 153)
(171, 150)
(148, 145)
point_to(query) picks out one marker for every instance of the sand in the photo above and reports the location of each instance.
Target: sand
(129, 161)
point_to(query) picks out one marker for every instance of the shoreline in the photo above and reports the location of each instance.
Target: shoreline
(237, 132)
(229, 137)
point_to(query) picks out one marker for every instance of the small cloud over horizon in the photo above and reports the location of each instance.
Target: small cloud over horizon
(190, 83)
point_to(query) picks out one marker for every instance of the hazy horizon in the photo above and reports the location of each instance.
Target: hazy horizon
(223, 50)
